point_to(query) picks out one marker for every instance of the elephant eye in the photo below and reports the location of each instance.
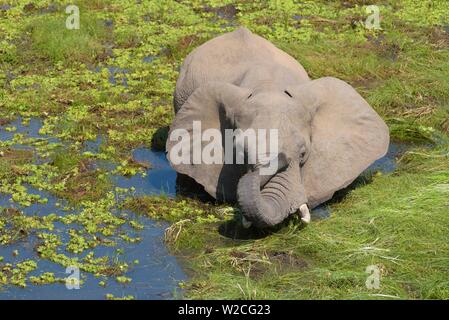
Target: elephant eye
(249, 96)
(302, 152)
(288, 93)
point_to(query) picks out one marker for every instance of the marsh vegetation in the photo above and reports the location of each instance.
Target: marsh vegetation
(75, 105)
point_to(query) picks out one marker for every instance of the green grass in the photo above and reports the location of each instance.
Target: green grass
(398, 222)
(81, 181)
(50, 39)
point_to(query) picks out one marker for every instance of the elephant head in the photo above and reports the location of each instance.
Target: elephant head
(327, 134)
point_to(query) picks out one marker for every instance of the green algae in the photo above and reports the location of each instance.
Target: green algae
(46, 278)
(15, 226)
(110, 296)
(16, 274)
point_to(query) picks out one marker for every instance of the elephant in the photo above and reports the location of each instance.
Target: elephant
(327, 133)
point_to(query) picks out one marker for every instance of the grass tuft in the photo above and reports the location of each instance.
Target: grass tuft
(53, 41)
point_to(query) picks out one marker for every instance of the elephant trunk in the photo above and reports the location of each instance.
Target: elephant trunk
(268, 204)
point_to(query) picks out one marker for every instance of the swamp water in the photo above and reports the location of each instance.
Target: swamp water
(157, 274)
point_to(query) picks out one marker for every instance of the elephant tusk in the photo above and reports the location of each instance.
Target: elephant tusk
(245, 223)
(305, 213)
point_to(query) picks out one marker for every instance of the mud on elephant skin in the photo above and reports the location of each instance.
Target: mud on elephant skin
(327, 133)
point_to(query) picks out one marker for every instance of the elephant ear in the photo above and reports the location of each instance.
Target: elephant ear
(347, 136)
(212, 106)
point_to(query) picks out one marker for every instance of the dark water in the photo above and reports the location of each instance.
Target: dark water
(161, 179)
(149, 59)
(157, 274)
(5, 7)
(117, 75)
(388, 163)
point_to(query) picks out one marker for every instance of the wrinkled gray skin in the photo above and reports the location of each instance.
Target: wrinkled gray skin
(327, 133)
